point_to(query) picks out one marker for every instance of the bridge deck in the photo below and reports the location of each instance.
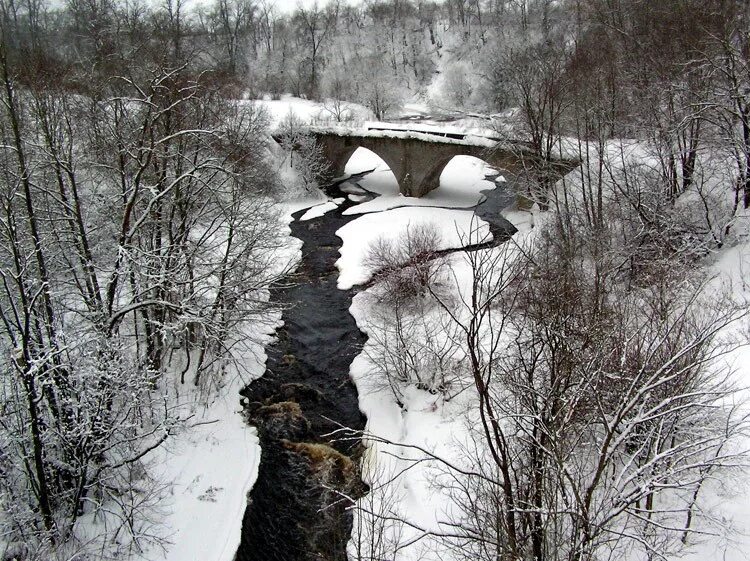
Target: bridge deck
(385, 130)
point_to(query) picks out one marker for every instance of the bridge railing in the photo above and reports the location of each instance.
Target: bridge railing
(330, 121)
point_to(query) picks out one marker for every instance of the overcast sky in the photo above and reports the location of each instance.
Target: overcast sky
(286, 6)
(289, 5)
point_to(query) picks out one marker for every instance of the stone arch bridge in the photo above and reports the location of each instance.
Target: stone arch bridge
(417, 157)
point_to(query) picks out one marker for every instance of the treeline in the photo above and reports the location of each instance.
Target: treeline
(137, 243)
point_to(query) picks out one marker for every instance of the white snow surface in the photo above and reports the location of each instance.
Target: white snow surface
(454, 225)
(309, 112)
(212, 467)
(729, 499)
(321, 209)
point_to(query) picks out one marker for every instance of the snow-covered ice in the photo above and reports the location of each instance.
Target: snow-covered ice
(319, 210)
(454, 225)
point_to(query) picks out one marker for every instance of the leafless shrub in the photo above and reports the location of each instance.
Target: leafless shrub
(416, 349)
(405, 268)
(305, 155)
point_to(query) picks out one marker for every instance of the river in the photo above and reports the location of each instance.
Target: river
(297, 510)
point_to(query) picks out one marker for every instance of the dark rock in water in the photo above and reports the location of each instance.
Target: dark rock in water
(300, 393)
(332, 468)
(281, 420)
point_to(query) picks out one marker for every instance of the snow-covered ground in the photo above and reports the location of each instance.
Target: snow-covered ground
(309, 112)
(404, 487)
(729, 499)
(425, 420)
(211, 465)
(454, 226)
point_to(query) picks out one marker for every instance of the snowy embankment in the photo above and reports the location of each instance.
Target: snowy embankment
(407, 488)
(455, 227)
(211, 465)
(728, 500)
(401, 485)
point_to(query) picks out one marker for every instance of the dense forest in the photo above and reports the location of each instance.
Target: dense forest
(140, 232)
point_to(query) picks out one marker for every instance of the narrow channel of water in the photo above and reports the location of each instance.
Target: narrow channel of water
(295, 510)
(306, 393)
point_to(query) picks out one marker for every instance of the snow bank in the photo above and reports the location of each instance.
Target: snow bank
(403, 484)
(321, 209)
(454, 225)
(211, 465)
(729, 499)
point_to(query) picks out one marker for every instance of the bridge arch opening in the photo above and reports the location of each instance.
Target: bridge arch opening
(460, 180)
(381, 180)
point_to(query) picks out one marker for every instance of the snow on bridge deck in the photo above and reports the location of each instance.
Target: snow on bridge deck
(424, 133)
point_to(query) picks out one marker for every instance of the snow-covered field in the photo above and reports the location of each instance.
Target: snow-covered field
(307, 111)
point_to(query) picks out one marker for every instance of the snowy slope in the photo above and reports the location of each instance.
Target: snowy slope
(211, 465)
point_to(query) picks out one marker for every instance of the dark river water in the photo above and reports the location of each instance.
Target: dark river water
(298, 510)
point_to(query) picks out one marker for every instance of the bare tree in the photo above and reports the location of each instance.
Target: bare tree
(415, 347)
(305, 156)
(600, 408)
(135, 223)
(234, 22)
(315, 25)
(378, 525)
(408, 266)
